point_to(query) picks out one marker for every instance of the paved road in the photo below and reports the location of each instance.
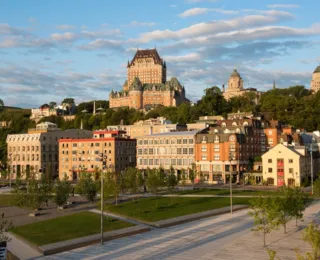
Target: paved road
(221, 237)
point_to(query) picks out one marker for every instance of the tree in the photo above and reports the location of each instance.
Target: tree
(301, 201)
(131, 177)
(30, 198)
(1, 102)
(52, 104)
(87, 187)
(264, 215)
(46, 187)
(172, 180)
(192, 174)
(68, 101)
(316, 188)
(311, 235)
(62, 190)
(284, 206)
(183, 179)
(155, 181)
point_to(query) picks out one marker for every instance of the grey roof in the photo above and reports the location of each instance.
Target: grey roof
(180, 133)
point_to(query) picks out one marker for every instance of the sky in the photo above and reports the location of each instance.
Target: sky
(50, 50)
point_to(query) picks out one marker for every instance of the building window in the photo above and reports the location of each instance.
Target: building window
(269, 160)
(190, 141)
(290, 160)
(185, 150)
(173, 162)
(270, 181)
(217, 157)
(185, 141)
(178, 150)
(269, 170)
(203, 148)
(74, 145)
(190, 150)
(290, 170)
(216, 148)
(178, 141)
(150, 150)
(139, 151)
(204, 157)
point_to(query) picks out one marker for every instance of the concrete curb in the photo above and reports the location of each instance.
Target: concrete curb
(89, 240)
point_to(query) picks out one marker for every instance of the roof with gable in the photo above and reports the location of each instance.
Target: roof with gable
(317, 70)
(148, 53)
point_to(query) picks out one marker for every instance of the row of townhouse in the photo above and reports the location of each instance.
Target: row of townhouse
(225, 148)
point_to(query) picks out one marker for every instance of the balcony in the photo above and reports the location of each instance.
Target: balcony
(280, 164)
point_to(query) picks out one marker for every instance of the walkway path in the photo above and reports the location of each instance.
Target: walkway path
(222, 237)
(21, 249)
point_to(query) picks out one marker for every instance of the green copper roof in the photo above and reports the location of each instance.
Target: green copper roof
(317, 70)
(235, 73)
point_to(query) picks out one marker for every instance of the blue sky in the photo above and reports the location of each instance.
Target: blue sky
(50, 50)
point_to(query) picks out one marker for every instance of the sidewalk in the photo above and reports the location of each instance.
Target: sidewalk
(21, 249)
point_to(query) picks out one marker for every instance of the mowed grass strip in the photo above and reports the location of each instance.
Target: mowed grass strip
(159, 208)
(67, 227)
(6, 200)
(226, 192)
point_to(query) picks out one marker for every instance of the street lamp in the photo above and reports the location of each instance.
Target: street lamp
(9, 171)
(230, 180)
(103, 159)
(311, 153)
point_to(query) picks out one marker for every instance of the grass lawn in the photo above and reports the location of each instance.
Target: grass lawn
(6, 200)
(225, 192)
(159, 208)
(66, 227)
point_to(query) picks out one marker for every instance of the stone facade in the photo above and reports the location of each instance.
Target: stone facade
(148, 127)
(36, 153)
(146, 85)
(315, 82)
(165, 150)
(235, 87)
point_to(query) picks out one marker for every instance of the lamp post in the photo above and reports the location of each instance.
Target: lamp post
(9, 170)
(230, 180)
(311, 165)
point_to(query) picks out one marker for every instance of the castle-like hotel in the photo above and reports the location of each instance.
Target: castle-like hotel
(147, 86)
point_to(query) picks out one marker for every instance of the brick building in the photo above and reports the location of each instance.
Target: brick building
(146, 85)
(79, 155)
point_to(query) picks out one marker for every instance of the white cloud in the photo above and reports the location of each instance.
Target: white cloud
(137, 24)
(276, 6)
(32, 20)
(102, 44)
(184, 58)
(207, 28)
(64, 37)
(199, 1)
(193, 12)
(65, 27)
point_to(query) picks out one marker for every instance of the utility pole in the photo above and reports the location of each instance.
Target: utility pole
(102, 204)
(311, 165)
(230, 181)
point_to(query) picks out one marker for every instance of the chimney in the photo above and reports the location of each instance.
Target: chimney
(94, 107)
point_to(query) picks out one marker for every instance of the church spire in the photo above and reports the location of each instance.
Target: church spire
(274, 85)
